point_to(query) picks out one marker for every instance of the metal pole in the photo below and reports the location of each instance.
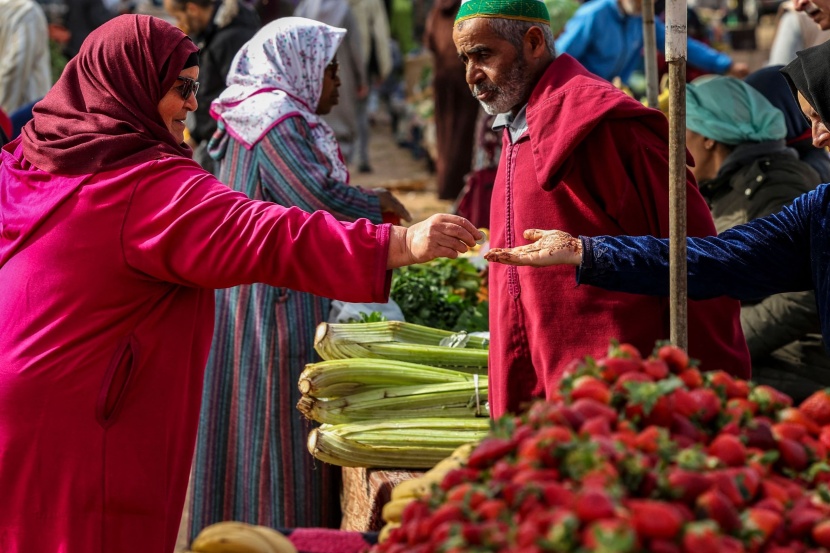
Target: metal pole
(676, 59)
(650, 53)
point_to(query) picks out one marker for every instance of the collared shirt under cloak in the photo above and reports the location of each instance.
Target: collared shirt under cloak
(808, 74)
(102, 114)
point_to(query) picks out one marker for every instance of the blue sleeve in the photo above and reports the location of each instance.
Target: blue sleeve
(698, 54)
(296, 173)
(747, 262)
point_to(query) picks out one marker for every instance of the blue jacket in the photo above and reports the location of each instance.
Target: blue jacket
(609, 43)
(787, 251)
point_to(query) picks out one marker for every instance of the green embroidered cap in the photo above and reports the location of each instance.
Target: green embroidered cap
(525, 10)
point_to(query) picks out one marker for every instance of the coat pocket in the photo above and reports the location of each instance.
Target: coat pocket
(116, 382)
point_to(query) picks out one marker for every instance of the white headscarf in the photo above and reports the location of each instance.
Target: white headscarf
(279, 74)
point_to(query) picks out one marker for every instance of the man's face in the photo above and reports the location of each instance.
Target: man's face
(818, 10)
(497, 74)
(190, 18)
(632, 7)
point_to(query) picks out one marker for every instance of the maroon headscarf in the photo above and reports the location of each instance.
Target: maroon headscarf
(102, 114)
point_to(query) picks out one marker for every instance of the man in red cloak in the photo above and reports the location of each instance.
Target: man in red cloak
(581, 156)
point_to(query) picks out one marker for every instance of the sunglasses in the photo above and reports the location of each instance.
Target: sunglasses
(189, 87)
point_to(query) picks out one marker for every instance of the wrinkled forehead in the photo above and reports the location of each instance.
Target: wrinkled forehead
(475, 34)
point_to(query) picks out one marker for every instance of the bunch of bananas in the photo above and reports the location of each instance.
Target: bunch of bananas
(410, 490)
(240, 537)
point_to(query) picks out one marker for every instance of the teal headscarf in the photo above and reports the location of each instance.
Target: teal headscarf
(730, 111)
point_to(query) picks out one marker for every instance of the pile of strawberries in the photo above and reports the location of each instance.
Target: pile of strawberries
(638, 455)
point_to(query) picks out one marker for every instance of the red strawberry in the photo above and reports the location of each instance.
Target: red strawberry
(789, 430)
(620, 384)
(769, 399)
(624, 350)
(593, 504)
(798, 416)
(821, 533)
(590, 408)
(457, 476)
(800, 520)
(612, 535)
(761, 525)
(488, 451)
(596, 426)
(730, 386)
(590, 387)
(491, 509)
(612, 368)
(675, 358)
(686, 485)
(656, 368)
(692, 378)
(730, 544)
(556, 494)
(650, 439)
(655, 519)
(793, 454)
(708, 403)
(701, 537)
(824, 436)
(663, 546)
(713, 504)
(771, 504)
(729, 449)
(532, 475)
(817, 407)
(758, 433)
(682, 426)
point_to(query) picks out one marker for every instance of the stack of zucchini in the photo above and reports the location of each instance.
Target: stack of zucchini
(394, 394)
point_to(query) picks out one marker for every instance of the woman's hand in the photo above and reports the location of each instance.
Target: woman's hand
(550, 247)
(441, 235)
(390, 204)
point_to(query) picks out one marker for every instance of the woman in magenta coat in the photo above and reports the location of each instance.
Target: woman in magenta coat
(111, 242)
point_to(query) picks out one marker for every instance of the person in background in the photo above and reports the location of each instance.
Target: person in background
(24, 54)
(5, 128)
(81, 18)
(795, 31)
(817, 10)
(373, 29)
(219, 29)
(584, 170)
(112, 242)
(344, 118)
(746, 171)
(273, 145)
(456, 110)
(784, 252)
(771, 83)
(606, 36)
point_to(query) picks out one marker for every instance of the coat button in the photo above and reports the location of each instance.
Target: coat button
(748, 192)
(759, 178)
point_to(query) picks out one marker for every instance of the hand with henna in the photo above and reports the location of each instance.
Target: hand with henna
(550, 247)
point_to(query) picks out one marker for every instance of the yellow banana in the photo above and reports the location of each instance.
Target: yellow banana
(218, 528)
(279, 543)
(415, 487)
(392, 511)
(241, 539)
(462, 453)
(386, 530)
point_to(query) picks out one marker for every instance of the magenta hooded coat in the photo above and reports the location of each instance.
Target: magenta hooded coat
(108, 262)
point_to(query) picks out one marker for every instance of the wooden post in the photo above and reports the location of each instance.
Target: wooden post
(650, 53)
(676, 59)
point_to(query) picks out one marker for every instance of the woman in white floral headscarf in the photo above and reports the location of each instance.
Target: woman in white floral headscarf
(251, 462)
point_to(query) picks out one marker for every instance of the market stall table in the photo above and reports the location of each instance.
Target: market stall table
(365, 492)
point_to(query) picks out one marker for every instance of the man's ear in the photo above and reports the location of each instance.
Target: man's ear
(534, 43)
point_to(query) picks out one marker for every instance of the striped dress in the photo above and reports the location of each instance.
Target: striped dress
(251, 460)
